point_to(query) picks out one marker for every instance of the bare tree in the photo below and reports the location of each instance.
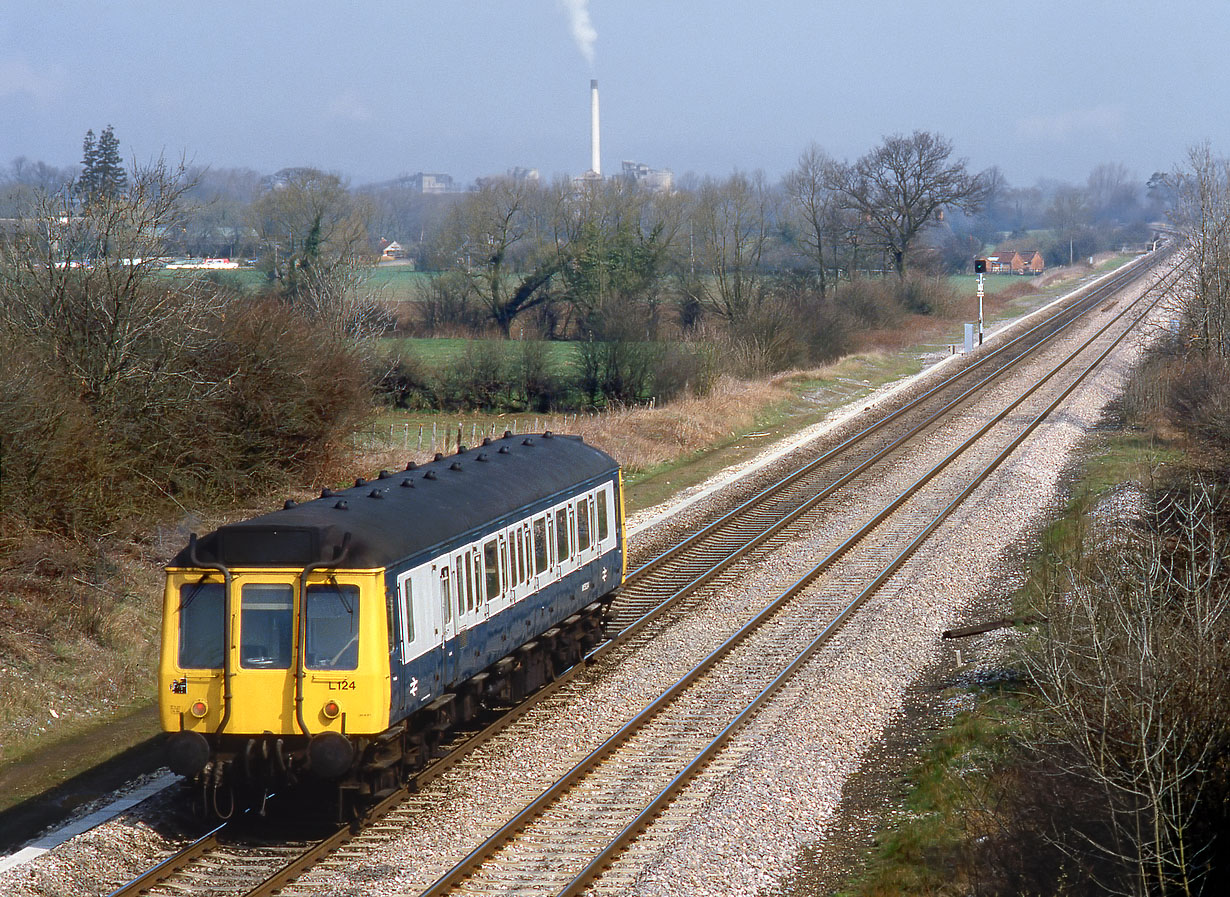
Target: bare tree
(1202, 218)
(83, 285)
(730, 221)
(309, 224)
(1132, 673)
(497, 238)
(901, 186)
(818, 206)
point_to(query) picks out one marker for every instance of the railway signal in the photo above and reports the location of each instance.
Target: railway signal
(980, 268)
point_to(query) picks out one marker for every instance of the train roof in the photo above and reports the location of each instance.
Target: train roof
(392, 518)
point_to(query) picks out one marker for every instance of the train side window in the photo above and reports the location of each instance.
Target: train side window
(604, 529)
(520, 541)
(527, 545)
(582, 524)
(491, 560)
(459, 585)
(266, 620)
(446, 592)
(511, 541)
(540, 545)
(407, 611)
(476, 572)
(202, 614)
(332, 625)
(505, 566)
(561, 535)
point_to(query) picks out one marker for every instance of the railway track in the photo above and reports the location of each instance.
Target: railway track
(666, 742)
(571, 836)
(711, 550)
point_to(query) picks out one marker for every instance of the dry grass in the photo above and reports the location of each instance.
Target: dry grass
(78, 641)
(643, 438)
(646, 437)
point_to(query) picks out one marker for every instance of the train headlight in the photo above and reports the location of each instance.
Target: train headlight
(331, 710)
(199, 709)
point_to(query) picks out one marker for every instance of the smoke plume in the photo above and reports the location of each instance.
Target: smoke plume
(583, 31)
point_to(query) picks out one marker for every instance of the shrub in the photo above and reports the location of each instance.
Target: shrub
(404, 382)
(928, 296)
(868, 303)
(290, 391)
(685, 369)
(479, 378)
(1198, 402)
(539, 385)
(445, 305)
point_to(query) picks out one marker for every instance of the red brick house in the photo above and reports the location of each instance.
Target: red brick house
(1004, 261)
(1015, 261)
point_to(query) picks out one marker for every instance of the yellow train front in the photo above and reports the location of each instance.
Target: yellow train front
(336, 643)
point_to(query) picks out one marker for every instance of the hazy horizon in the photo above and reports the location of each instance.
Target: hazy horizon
(375, 91)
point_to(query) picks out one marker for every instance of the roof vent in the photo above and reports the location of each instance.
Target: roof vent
(460, 448)
(384, 475)
(430, 475)
(341, 506)
(376, 493)
(456, 465)
(548, 435)
(508, 434)
(486, 440)
(504, 450)
(326, 492)
(483, 456)
(407, 483)
(290, 503)
(439, 456)
(412, 466)
(527, 441)
(360, 482)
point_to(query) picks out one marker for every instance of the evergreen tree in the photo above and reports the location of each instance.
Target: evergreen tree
(102, 169)
(88, 182)
(112, 178)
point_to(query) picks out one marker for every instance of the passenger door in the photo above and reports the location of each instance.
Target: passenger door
(420, 635)
(442, 576)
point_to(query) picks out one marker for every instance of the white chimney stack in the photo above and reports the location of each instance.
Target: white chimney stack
(596, 160)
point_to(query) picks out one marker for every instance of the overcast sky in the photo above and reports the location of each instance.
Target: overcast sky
(1045, 89)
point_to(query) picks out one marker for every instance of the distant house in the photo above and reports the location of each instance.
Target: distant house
(391, 251)
(1034, 263)
(1015, 261)
(1004, 261)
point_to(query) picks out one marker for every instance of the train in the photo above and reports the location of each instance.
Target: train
(335, 644)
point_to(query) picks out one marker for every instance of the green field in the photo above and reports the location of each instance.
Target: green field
(395, 284)
(442, 352)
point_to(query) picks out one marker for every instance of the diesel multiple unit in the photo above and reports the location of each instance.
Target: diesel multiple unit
(339, 640)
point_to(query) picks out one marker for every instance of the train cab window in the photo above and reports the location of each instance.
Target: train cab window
(332, 622)
(561, 534)
(266, 621)
(491, 558)
(540, 545)
(202, 613)
(604, 530)
(582, 524)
